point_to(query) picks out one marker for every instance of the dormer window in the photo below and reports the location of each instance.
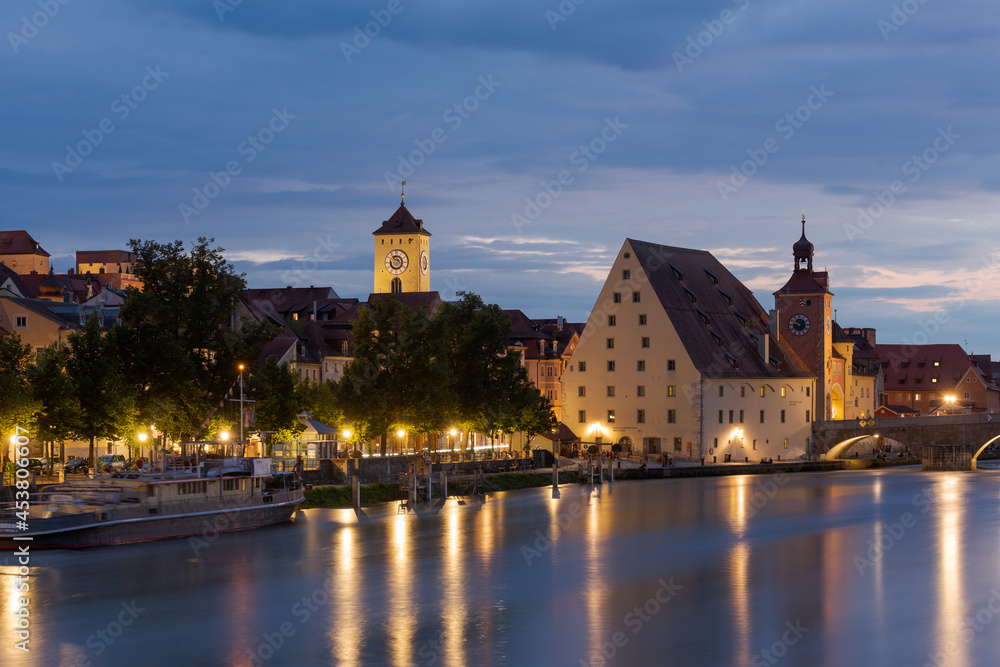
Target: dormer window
(728, 298)
(677, 272)
(715, 278)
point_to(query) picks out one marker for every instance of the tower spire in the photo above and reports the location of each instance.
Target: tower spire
(802, 250)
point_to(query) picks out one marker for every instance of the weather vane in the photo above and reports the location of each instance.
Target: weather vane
(402, 193)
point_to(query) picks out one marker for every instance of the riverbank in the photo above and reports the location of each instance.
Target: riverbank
(380, 492)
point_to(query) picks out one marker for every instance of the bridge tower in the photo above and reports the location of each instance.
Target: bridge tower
(803, 312)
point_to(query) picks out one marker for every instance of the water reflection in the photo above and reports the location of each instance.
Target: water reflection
(452, 586)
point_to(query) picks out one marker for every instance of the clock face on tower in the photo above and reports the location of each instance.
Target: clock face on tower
(424, 263)
(798, 324)
(396, 262)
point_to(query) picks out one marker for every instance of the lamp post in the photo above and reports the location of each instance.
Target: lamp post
(400, 434)
(142, 437)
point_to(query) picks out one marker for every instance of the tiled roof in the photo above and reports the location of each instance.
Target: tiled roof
(716, 316)
(19, 242)
(430, 300)
(904, 364)
(402, 222)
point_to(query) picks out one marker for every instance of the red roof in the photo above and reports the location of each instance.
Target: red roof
(402, 222)
(904, 364)
(19, 242)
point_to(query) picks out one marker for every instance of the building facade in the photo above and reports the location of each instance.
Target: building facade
(402, 254)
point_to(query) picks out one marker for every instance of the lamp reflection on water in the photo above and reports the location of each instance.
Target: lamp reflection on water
(951, 643)
(401, 621)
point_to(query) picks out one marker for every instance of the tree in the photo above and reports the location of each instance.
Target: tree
(320, 399)
(16, 401)
(58, 414)
(180, 345)
(107, 404)
(272, 386)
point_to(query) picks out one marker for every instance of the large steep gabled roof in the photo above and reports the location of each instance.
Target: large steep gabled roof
(716, 317)
(402, 222)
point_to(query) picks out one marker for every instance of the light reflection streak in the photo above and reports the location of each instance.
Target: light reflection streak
(739, 569)
(595, 592)
(401, 623)
(454, 609)
(347, 632)
(951, 612)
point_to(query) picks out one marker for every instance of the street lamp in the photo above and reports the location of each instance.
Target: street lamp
(401, 434)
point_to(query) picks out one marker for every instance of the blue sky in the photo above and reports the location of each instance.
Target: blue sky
(697, 124)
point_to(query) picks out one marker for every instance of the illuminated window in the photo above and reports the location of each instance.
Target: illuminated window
(782, 392)
(762, 392)
(611, 416)
(671, 390)
(786, 443)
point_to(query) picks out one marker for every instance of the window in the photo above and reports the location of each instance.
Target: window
(645, 341)
(762, 391)
(968, 395)
(21, 322)
(783, 412)
(671, 390)
(626, 275)
(677, 444)
(635, 297)
(671, 416)
(761, 416)
(807, 391)
(720, 416)
(671, 365)
(933, 380)
(640, 416)
(581, 391)
(617, 297)
(611, 390)
(611, 416)
(786, 443)
(782, 392)
(611, 343)
(807, 416)
(583, 366)
(722, 390)
(642, 320)
(550, 371)
(743, 392)
(755, 443)
(640, 390)
(937, 363)
(611, 365)
(730, 416)
(741, 416)
(640, 365)
(582, 416)
(611, 320)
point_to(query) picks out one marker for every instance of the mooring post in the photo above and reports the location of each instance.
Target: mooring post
(430, 489)
(444, 486)
(356, 491)
(555, 473)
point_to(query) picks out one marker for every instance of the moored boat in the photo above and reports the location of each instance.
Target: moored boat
(241, 494)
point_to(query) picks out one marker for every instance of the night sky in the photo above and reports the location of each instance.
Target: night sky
(534, 138)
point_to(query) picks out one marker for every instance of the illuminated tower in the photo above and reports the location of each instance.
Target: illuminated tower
(402, 254)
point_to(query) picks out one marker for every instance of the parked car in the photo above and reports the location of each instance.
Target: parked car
(35, 464)
(77, 466)
(111, 462)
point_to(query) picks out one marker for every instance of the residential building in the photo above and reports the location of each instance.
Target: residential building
(929, 379)
(545, 346)
(23, 254)
(113, 267)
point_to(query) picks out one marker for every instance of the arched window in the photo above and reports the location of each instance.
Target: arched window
(397, 286)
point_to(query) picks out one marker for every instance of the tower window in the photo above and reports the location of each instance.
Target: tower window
(396, 286)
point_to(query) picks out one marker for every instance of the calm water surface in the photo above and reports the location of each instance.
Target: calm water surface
(898, 567)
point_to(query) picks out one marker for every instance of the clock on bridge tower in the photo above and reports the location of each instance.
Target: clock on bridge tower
(402, 254)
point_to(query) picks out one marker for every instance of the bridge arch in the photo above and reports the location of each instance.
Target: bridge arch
(975, 457)
(838, 450)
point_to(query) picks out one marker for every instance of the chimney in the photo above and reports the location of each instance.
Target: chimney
(314, 310)
(559, 322)
(773, 323)
(764, 347)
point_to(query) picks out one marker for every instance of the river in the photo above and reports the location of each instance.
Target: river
(892, 567)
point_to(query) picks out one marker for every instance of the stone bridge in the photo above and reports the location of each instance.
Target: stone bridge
(833, 439)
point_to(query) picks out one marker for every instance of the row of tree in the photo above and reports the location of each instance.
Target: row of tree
(175, 350)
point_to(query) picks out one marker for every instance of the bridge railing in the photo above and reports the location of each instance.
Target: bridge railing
(888, 422)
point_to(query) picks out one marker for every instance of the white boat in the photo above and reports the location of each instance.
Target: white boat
(154, 506)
